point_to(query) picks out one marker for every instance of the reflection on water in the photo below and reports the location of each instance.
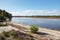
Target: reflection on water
(41, 22)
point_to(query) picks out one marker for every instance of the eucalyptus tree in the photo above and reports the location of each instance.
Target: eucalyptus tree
(5, 15)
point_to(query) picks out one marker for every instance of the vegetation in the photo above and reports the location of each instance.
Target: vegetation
(15, 35)
(37, 16)
(4, 15)
(3, 24)
(33, 29)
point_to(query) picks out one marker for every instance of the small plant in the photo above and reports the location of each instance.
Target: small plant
(12, 33)
(33, 29)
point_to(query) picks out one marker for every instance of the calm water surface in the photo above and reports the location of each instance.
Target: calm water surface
(40, 22)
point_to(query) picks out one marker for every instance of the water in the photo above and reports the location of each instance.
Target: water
(40, 22)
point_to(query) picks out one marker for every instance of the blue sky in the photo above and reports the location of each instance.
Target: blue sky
(31, 7)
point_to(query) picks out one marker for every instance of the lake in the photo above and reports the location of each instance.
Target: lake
(40, 22)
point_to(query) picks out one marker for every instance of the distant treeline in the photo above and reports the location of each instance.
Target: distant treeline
(40, 16)
(5, 15)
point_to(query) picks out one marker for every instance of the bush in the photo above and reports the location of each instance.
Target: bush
(33, 29)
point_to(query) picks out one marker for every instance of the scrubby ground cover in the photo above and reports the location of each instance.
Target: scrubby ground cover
(14, 35)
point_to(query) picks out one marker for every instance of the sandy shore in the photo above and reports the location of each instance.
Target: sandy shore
(54, 33)
(7, 28)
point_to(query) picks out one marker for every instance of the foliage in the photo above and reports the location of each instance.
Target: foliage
(15, 35)
(5, 15)
(33, 29)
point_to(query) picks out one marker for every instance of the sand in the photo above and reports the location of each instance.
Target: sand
(54, 33)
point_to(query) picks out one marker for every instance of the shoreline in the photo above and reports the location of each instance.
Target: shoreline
(54, 33)
(28, 26)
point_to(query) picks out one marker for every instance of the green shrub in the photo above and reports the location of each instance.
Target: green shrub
(33, 29)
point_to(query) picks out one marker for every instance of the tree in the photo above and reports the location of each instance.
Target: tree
(5, 15)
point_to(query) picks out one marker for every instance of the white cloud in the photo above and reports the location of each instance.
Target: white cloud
(37, 12)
